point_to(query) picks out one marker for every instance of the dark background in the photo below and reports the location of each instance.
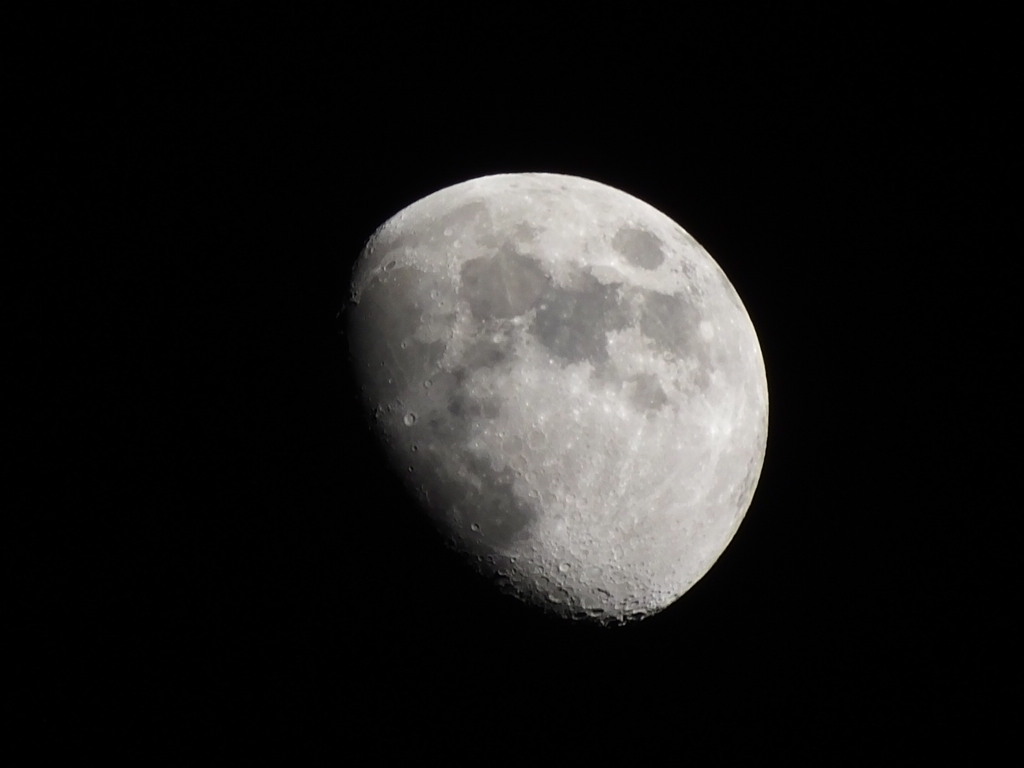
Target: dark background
(216, 567)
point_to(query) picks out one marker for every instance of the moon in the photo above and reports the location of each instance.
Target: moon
(567, 383)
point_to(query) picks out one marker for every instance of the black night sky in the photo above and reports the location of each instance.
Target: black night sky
(218, 569)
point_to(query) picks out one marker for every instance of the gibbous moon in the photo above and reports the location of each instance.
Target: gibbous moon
(569, 385)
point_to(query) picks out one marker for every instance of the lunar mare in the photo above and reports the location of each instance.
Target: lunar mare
(567, 382)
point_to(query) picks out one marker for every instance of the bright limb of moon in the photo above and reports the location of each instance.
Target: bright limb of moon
(568, 384)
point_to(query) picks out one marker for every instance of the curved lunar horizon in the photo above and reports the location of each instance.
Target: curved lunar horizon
(567, 383)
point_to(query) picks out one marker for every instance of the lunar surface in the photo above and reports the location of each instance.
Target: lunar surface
(568, 384)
